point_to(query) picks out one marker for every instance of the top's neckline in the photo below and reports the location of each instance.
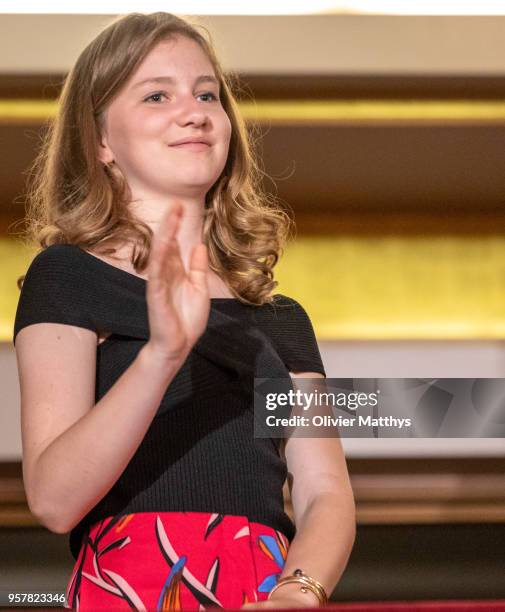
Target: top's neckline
(142, 281)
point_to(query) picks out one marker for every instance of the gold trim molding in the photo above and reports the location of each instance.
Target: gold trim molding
(326, 112)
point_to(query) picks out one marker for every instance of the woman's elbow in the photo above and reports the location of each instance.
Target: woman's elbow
(46, 515)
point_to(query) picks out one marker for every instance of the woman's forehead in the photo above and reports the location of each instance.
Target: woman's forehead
(169, 57)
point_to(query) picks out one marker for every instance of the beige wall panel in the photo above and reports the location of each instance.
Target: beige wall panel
(353, 44)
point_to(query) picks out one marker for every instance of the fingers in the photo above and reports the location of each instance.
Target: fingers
(169, 224)
(164, 245)
(199, 267)
(199, 260)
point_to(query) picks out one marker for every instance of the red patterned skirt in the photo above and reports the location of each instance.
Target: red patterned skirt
(175, 561)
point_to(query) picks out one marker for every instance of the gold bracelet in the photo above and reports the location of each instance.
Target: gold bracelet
(308, 584)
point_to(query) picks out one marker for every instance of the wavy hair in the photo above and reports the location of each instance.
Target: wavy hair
(73, 198)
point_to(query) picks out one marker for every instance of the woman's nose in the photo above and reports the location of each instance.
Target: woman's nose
(192, 112)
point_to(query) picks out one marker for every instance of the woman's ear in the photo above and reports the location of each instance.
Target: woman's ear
(105, 155)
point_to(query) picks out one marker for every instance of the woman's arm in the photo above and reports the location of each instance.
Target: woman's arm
(324, 511)
(74, 451)
(322, 545)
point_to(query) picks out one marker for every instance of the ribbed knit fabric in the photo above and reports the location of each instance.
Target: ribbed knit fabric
(199, 453)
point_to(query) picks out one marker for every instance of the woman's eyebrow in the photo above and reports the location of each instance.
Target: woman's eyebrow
(203, 78)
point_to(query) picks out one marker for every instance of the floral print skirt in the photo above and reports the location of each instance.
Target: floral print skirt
(175, 561)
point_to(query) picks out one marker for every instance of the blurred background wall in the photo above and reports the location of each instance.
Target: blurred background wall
(385, 136)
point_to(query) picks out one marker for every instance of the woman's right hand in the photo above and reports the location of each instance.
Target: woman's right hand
(178, 301)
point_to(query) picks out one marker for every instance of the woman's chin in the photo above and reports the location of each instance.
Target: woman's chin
(190, 187)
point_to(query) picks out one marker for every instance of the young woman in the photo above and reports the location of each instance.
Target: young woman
(141, 325)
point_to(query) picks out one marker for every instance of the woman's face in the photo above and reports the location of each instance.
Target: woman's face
(147, 118)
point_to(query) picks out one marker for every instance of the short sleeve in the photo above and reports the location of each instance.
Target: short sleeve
(291, 330)
(53, 291)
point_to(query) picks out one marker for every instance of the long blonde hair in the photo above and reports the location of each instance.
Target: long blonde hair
(73, 199)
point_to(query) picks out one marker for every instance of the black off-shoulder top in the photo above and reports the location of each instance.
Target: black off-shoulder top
(199, 453)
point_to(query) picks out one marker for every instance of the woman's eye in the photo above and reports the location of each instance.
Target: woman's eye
(154, 95)
(208, 93)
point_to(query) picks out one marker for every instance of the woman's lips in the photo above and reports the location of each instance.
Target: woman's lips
(192, 146)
